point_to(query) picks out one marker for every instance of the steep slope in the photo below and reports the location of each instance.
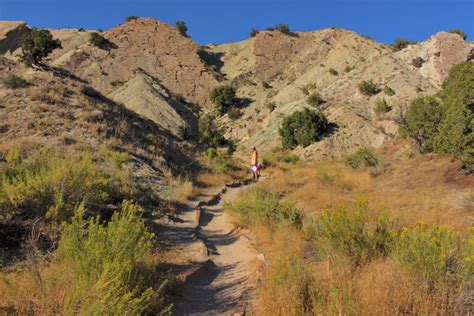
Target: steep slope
(274, 67)
(145, 96)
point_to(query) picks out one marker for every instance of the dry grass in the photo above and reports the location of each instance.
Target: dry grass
(183, 190)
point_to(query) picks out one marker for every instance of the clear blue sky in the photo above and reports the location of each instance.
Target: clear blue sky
(214, 21)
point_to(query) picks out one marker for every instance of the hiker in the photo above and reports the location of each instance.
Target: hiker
(256, 166)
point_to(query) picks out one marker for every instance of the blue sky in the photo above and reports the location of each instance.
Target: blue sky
(213, 21)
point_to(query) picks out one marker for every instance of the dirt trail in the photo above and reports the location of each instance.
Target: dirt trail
(223, 282)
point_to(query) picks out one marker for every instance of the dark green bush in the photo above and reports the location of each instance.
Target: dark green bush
(422, 122)
(36, 45)
(302, 128)
(333, 72)
(234, 113)
(459, 32)
(315, 99)
(182, 28)
(254, 32)
(381, 106)
(400, 44)
(368, 87)
(130, 18)
(389, 91)
(223, 97)
(12, 81)
(98, 40)
(368, 158)
(209, 134)
(418, 62)
(283, 28)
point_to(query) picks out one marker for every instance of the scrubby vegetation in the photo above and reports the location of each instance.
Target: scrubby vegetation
(389, 91)
(381, 106)
(97, 269)
(36, 45)
(283, 28)
(182, 28)
(271, 106)
(98, 40)
(333, 72)
(315, 99)
(443, 123)
(12, 81)
(417, 62)
(223, 97)
(209, 133)
(400, 44)
(131, 18)
(368, 87)
(367, 158)
(254, 32)
(459, 32)
(302, 128)
(350, 258)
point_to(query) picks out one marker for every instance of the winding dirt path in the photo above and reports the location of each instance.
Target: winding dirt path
(225, 279)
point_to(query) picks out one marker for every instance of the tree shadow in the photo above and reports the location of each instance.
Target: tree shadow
(331, 130)
(212, 59)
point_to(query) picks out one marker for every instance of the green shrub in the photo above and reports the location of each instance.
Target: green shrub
(283, 28)
(366, 157)
(333, 72)
(368, 87)
(354, 232)
(182, 28)
(434, 253)
(348, 69)
(389, 91)
(209, 134)
(234, 113)
(98, 40)
(254, 32)
(81, 29)
(417, 62)
(12, 81)
(459, 32)
(290, 158)
(400, 44)
(221, 160)
(315, 99)
(422, 122)
(36, 45)
(271, 106)
(381, 106)
(48, 185)
(257, 206)
(223, 97)
(302, 128)
(130, 18)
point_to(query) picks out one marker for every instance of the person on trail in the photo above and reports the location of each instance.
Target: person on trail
(255, 164)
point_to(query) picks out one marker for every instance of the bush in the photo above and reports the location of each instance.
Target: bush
(36, 45)
(271, 106)
(389, 91)
(98, 269)
(254, 32)
(368, 87)
(12, 81)
(283, 28)
(182, 28)
(315, 99)
(209, 134)
(355, 233)
(47, 185)
(221, 160)
(98, 40)
(367, 158)
(302, 128)
(257, 206)
(223, 97)
(459, 32)
(290, 158)
(434, 253)
(348, 69)
(234, 113)
(130, 18)
(417, 62)
(81, 29)
(381, 106)
(333, 72)
(400, 44)
(422, 122)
